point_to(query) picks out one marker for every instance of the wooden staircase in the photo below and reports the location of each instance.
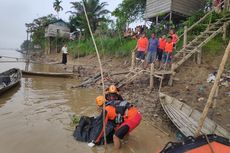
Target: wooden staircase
(196, 44)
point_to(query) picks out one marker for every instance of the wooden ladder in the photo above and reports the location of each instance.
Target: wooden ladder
(196, 44)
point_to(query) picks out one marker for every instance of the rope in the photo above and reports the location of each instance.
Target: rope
(210, 146)
(101, 69)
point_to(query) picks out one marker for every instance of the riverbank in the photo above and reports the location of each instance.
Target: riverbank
(191, 87)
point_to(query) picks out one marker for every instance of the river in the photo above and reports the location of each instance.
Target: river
(35, 116)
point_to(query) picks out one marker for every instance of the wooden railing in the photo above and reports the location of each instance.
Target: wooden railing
(187, 29)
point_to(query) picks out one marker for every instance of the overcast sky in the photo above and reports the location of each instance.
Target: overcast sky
(15, 13)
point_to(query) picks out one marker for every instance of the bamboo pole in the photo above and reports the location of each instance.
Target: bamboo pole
(215, 98)
(151, 76)
(185, 38)
(213, 90)
(101, 69)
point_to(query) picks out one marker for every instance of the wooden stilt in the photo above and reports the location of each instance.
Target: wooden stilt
(170, 16)
(170, 83)
(133, 61)
(225, 31)
(161, 83)
(195, 57)
(152, 76)
(199, 56)
(213, 90)
(226, 5)
(157, 20)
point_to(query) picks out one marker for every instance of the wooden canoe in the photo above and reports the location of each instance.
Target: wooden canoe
(47, 74)
(9, 79)
(186, 118)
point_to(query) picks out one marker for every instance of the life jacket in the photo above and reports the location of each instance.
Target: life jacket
(174, 38)
(169, 47)
(162, 43)
(122, 108)
(142, 44)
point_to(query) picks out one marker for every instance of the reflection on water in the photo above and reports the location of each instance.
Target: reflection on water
(35, 117)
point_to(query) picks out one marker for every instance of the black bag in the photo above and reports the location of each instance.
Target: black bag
(89, 129)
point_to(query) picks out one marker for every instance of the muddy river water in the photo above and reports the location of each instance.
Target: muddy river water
(35, 116)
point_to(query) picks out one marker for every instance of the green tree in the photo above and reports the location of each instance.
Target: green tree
(96, 13)
(38, 29)
(57, 7)
(129, 11)
(26, 45)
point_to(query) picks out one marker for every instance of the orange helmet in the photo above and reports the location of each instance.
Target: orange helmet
(113, 89)
(100, 100)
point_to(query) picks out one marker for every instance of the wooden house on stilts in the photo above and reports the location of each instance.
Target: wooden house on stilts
(171, 9)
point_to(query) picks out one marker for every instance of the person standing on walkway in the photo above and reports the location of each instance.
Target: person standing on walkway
(142, 46)
(168, 52)
(160, 50)
(152, 50)
(174, 36)
(64, 51)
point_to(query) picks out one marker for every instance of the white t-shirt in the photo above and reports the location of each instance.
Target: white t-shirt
(64, 50)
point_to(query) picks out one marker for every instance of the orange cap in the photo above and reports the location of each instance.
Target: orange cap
(113, 89)
(100, 100)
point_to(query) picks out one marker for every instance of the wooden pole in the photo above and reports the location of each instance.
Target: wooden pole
(170, 83)
(226, 5)
(213, 90)
(157, 20)
(225, 31)
(185, 38)
(133, 60)
(170, 16)
(151, 76)
(199, 56)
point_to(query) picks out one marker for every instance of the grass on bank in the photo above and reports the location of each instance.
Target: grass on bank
(106, 46)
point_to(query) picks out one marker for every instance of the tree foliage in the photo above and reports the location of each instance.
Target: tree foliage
(38, 29)
(96, 13)
(129, 11)
(26, 45)
(57, 6)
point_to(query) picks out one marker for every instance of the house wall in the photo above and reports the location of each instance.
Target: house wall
(182, 7)
(52, 29)
(187, 7)
(157, 7)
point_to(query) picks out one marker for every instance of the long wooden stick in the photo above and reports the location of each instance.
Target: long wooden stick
(213, 90)
(100, 64)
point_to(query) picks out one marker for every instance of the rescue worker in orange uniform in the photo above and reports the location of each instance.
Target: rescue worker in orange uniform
(125, 116)
(168, 51)
(112, 94)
